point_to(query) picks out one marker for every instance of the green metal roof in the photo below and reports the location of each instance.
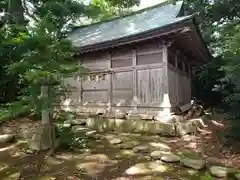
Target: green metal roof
(137, 23)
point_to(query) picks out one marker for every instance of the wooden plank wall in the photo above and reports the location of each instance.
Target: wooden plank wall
(128, 76)
(179, 78)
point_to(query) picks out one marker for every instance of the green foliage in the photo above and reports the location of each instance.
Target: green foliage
(13, 110)
(36, 52)
(68, 140)
(206, 176)
(66, 137)
(111, 8)
(64, 116)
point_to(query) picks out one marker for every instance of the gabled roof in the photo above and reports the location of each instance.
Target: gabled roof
(140, 22)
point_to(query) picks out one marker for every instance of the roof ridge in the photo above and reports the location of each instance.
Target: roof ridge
(127, 15)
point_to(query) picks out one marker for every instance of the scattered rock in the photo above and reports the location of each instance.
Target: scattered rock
(160, 146)
(119, 115)
(115, 141)
(237, 176)
(91, 168)
(218, 171)
(129, 144)
(30, 151)
(126, 153)
(146, 168)
(12, 176)
(141, 149)
(188, 137)
(67, 125)
(6, 138)
(79, 122)
(80, 129)
(89, 133)
(184, 128)
(193, 163)
(158, 154)
(170, 158)
(146, 116)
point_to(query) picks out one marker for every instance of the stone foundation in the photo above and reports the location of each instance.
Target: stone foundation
(139, 126)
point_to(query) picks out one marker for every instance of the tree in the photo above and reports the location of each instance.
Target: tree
(219, 22)
(43, 54)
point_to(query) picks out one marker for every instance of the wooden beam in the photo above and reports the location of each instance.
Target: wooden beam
(177, 79)
(110, 84)
(134, 75)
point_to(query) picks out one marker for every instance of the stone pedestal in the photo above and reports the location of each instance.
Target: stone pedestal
(42, 140)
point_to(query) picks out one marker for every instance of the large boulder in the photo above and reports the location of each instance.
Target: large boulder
(170, 158)
(115, 141)
(79, 122)
(6, 138)
(218, 171)
(146, 168)
(141, 149)
(158, 154)
(184, 128)
(160, 146)
(193, 163)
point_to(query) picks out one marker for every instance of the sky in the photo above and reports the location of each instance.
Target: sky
(147, 3)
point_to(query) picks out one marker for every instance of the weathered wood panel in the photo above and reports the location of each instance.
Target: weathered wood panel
(149, 85)
(122, 87)
(151, 58)
(95, 81)
(184, 89)
(172, 87)
(121, 62)
(149, 47)
(122, 97)
(95, 62)
(95, 96)
(121, 53)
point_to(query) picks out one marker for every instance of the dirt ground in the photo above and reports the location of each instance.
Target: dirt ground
(102, 160)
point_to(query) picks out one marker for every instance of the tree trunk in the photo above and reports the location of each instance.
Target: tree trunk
(16, 12)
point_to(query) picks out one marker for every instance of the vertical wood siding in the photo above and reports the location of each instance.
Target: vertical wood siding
(172, 87)
(123, 73)
(122, 87)
(149, 86)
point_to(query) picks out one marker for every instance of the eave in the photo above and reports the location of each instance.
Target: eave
(175, 31)
(154, 33)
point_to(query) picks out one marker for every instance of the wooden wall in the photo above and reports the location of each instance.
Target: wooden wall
(179, 77)
(136, 75)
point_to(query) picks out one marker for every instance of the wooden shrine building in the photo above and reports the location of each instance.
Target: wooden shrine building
(142, 61)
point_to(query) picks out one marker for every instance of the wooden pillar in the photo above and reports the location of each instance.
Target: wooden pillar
(134, 76)
(110, 83)
(177, 78)
(166, 105)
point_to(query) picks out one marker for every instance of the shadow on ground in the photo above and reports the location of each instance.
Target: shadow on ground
(125, 160)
